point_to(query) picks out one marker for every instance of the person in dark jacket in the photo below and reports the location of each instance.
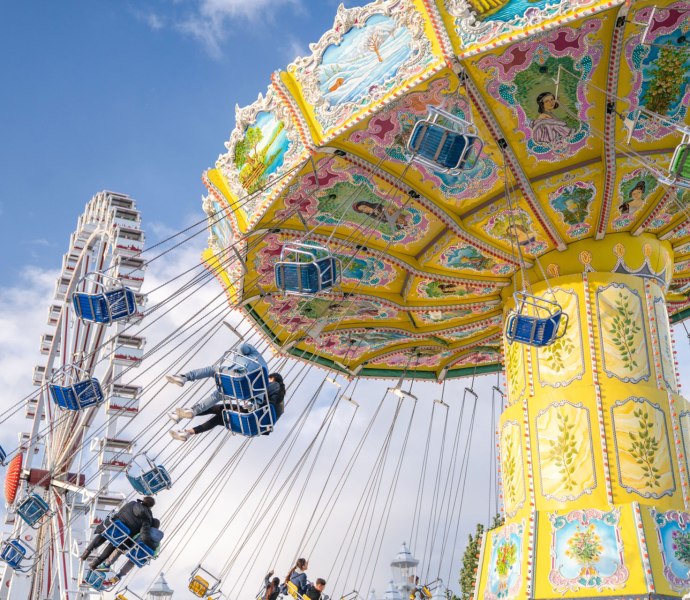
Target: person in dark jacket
(271, 587)
(316, 591)
(137, 516)
(156, 537)
(275, 392)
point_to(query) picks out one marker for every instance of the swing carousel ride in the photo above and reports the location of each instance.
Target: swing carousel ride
(452, 187)
(443, 188)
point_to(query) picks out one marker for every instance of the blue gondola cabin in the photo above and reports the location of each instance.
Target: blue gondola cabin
(535, 321)
(104, 299)
(306, 269)
(450, 146)
(33, 509)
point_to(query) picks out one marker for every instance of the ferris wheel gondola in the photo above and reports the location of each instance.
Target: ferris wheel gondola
(80, 393)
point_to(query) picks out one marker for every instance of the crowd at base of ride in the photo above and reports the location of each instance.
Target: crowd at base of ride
(295, 585)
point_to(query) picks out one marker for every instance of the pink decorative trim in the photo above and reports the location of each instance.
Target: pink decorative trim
(644, 549)
(296, 114)
(654, 334)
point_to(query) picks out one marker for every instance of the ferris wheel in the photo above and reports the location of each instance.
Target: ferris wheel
(58, 484)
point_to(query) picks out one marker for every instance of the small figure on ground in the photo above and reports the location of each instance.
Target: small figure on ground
(215, 397)
(271, 587)
(276, 395)
(137, 516)
(315, 592)
(156, 538)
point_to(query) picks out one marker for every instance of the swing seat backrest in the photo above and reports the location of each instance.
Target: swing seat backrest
(116, 533)
(680, 165)
(243, 382)
(250, 424)
(79, 395)
(105, 307)
(531, 330)
(140, 554)
(32, 509)
(306, 278)
(13, 553)
(442, 148)
(96, 579)
(293, 591)
(151, 482)
(198, 586)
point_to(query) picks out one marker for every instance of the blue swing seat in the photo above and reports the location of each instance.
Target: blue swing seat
(546, 323)
(305, 269)
(152, 481)
(140, 554)
(453, 148)
(116, 532)
(79, 395)
(32, 509)
(96, 579)
(105, 307)
(243, 378)
(259, 421)
(3, 456)
(14, 553)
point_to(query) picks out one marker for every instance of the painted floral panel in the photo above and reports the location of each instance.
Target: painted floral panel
(512, 468)
(565, 450)
(643, 450)
(563, 362)
(587, 551)
(505, 562)
(622, 335)
(673, 537)
(668, 370)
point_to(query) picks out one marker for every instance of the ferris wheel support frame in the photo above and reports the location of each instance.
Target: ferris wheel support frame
(107, 235)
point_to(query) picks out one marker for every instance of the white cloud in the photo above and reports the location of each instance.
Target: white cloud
(210, 22)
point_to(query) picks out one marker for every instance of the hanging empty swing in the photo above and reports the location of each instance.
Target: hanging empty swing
(152, 479)
(449, 147)
(75, 390)
(33, 509)
(679, 169)
(108, 299)
(202, 583)
(535, 321)
(18, 555)
(306, 269)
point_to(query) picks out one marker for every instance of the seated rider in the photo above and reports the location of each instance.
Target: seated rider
(137, 516)
(276, 394)
(156, 538)
(315, 592)
(246, 350)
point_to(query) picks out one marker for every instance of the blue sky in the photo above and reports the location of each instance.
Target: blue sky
(127, 96)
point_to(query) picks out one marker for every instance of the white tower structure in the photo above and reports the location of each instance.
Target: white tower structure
(160, 590)
(404, 567)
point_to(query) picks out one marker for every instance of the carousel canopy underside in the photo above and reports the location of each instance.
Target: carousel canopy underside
(428, 258)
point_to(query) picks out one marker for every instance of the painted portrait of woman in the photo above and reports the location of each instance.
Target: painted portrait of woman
(547, 128)
(635, 199)
(379, 213)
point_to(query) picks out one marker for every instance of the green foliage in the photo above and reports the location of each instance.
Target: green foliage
(564, 450)
(539, 77)
(246, 148)
(666, 85)
(623, 331)
(644, 447)
(510, 474)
